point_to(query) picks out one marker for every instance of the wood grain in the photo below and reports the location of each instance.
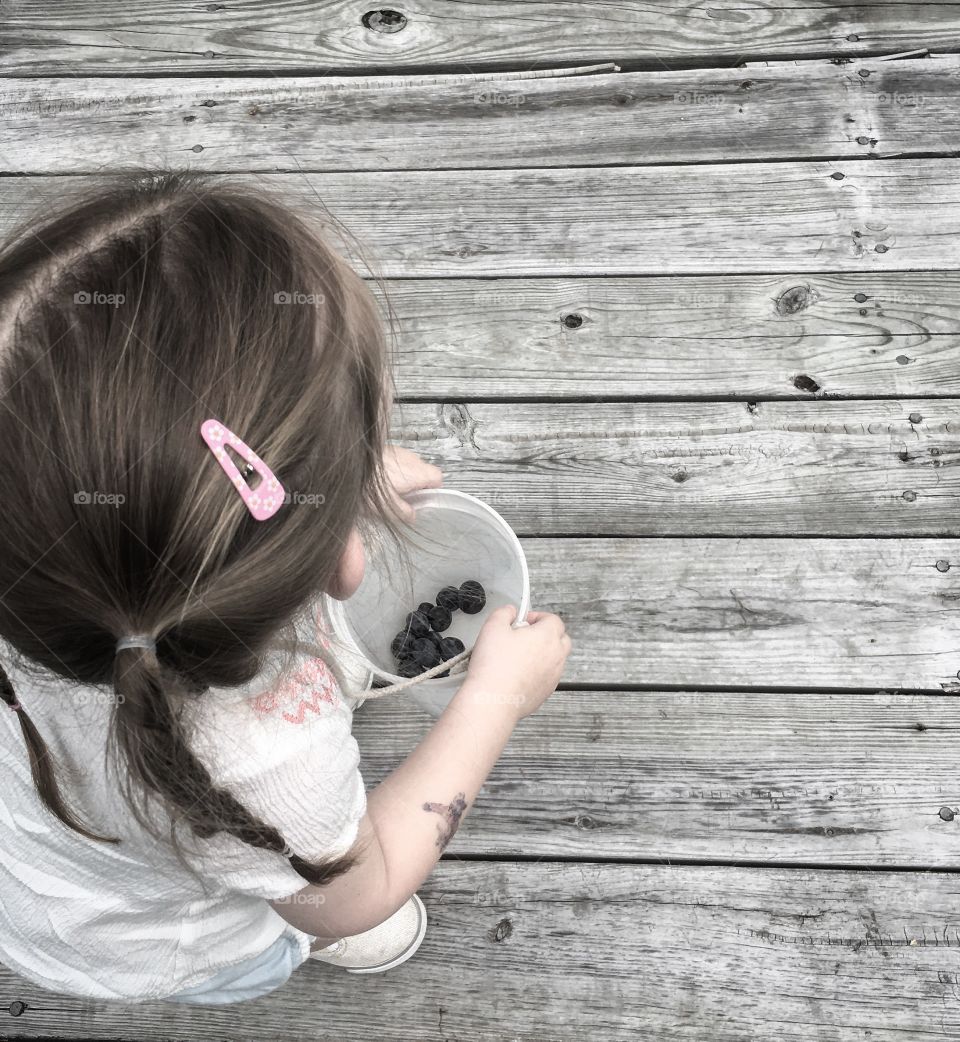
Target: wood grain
(739, 336)
(328, 35)
(795, 613)
(705, 219)
(781, 777)
(719, 468)
(863, 108)
(558, 953)
(607, 246)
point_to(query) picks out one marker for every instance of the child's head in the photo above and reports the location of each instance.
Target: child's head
(127, 319)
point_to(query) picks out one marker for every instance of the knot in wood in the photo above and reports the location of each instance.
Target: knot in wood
(795, 299)
(806, 383)
(502, 930)
(385, 20)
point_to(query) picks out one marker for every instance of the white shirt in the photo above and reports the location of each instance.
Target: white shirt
(127, 921)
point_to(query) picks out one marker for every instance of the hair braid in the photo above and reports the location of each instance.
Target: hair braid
(148, 732)
(41, 766)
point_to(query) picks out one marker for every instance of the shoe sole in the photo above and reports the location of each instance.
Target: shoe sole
(411, 951)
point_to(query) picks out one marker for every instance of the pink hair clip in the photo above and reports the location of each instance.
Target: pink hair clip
(267, 498)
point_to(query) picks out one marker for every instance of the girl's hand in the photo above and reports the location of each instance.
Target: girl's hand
(517, 669)
(407, 472)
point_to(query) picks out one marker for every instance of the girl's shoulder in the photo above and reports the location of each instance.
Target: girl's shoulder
(294, 704)
(308, 690)
(239, 735)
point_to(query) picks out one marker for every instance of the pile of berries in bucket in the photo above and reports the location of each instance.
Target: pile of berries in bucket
(419, 646)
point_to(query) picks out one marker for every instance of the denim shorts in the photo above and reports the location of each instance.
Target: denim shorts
(247, 980)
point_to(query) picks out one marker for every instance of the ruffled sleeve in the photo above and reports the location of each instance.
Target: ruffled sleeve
(287, 753)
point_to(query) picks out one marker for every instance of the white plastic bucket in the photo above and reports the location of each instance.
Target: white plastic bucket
(455, 537)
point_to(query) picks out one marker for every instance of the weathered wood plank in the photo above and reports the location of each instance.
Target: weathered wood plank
(879, 108)
(327, 35)
(741, 337)
(728, 218)
(737, 336)
(718, 468)
(797, 613)
(767, 777)
(554, 953)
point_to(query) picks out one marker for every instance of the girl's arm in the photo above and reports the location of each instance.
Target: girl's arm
(411, 817)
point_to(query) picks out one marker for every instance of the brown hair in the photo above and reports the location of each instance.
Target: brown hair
(136, 311)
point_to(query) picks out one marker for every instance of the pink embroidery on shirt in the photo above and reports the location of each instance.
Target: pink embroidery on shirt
(312, 684)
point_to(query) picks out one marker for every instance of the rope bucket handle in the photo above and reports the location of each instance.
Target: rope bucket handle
(462, 658)
(379, 692)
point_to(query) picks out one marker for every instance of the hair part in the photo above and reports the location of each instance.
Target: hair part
(140, 308)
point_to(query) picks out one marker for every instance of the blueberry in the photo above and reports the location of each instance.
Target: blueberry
(472, 597)
(450, 646)
(439, 617)
(417, 625)
(449, 598)
(424, 607)
(400, 643)
(435, 638)
(408, 668)
(425, 652)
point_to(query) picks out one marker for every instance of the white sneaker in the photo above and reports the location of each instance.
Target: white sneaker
(385, 946)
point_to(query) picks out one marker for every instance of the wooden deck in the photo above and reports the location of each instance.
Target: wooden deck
(678, 292)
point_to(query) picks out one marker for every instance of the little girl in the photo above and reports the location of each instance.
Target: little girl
(195, 396)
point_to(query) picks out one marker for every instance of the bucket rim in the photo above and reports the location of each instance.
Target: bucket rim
(337, 615)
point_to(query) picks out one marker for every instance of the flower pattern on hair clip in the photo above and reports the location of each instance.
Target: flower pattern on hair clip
(262, 502)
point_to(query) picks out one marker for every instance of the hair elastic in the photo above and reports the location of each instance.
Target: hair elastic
(15, 705)
(137, 641)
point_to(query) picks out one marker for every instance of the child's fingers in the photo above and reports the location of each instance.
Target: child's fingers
(534, 617)
(407, 472)
(431, 477)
